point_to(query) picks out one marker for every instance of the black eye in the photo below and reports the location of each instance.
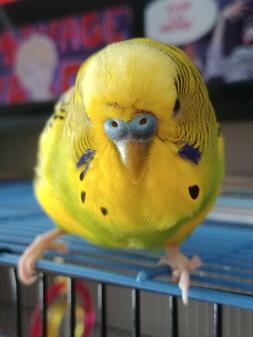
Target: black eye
(176, 108)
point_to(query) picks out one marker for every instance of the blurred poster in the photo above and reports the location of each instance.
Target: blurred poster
(5, 2)
(216, 34)
(39, 61)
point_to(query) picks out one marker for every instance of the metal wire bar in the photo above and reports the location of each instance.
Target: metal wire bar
(136, 323)
(17, 299)
(72, 306)
(173, 316)
(43, 303)
(239, 300)
(217, 320)
(101, 297)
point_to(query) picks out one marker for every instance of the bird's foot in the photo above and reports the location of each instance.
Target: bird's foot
(181, 267)
(27, 261)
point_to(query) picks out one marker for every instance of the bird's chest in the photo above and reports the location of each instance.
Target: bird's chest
(168, 193)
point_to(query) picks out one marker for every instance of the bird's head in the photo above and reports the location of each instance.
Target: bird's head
(130, 95)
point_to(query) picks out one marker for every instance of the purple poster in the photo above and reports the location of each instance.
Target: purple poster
(216, 34)
(39, 61)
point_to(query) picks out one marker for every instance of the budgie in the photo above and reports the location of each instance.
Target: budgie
(132, 156)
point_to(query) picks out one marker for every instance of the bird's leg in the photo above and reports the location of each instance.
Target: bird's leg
(181, 267)
(26, 265)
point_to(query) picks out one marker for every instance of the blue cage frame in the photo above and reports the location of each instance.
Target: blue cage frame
(226, 277)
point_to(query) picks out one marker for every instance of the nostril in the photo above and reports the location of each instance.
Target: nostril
(115, 129)
(143, 121)
(143, 127)
(114, 124)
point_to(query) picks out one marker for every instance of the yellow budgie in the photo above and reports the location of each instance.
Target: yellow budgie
(132, 156)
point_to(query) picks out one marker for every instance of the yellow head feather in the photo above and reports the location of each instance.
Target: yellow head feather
(141, 75)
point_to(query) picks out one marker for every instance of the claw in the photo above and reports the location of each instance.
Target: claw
(181, 267)
(184, 284)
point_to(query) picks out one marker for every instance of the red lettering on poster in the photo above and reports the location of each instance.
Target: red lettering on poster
(91, 30)
(114, 30)
(75, 38)
(15, 92)
(177, 19)
(70, 35)
(54, 30)
(1, 86)
(7, 48)
(177, 8)
(176, 24)
(69, 72)
(5, 2)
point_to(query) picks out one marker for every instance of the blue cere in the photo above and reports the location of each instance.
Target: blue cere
(143, 127)
(116, 129)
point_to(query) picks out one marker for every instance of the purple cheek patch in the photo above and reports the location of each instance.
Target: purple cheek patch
(188, 152)
(86, 157)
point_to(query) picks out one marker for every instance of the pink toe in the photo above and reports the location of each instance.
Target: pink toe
(26, 271)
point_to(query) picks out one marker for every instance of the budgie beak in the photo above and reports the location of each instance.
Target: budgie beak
(132, 140)
(133, 156)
